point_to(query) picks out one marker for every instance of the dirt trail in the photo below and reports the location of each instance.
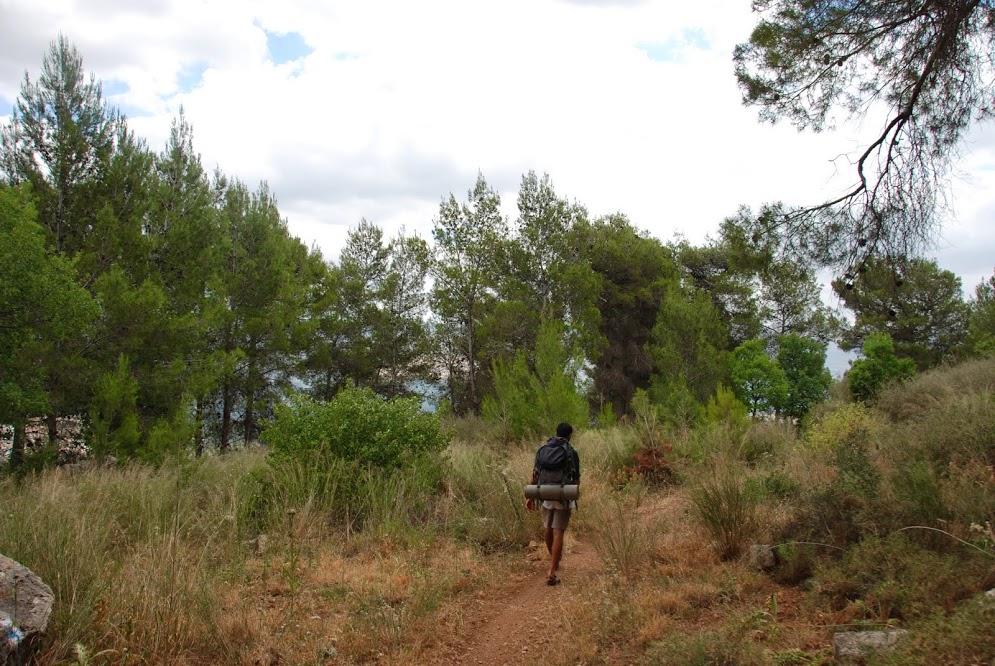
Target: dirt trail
(512, 625)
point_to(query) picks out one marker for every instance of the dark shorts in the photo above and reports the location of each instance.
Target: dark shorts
(558, 519)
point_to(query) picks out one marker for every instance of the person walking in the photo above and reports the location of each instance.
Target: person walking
(556, 461)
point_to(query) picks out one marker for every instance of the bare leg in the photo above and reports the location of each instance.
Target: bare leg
(554, 543)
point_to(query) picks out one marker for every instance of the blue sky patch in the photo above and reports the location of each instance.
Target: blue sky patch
(286, 48)
(675, 48)
(112, 87)
(6, 106)
(191, 76)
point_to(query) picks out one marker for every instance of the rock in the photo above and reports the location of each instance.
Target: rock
(25, 607)
(761, 556)
(851, 647)
(260, 544)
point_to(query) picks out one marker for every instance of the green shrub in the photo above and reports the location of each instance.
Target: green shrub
(879, 367)
(795, 562)
(705, 648)
(895, 578)
(356, 425)
(850, 423)
(726, 508)
(961, 638)
(775, 485)
(764, 440)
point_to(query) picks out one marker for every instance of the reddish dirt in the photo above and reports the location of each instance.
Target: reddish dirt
(513, 624)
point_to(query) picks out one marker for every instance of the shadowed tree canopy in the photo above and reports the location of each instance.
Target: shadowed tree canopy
(926, 63)
(915, 302)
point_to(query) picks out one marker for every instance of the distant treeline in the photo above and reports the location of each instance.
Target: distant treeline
(173, 308)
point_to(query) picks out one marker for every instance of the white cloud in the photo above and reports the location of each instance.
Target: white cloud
(401, 103)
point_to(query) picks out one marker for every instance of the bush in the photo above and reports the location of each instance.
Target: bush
(706, 648)
(894, 578)
(850, 423)
(727, 510)
(356, 425)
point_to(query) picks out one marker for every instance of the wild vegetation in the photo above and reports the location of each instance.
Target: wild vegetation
(264, 485)
(880, 516)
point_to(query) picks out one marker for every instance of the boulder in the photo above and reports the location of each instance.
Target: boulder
(852, 647)
(25, 607)
(761, 556)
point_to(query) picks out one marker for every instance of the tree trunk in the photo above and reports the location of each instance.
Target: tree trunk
(17, 447)
(249, 423)
(198, 437)
(226, 410)
(52, 420)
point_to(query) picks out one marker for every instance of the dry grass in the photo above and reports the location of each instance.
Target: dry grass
(165, 566)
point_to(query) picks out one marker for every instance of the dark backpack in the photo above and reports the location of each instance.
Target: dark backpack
(555, 462)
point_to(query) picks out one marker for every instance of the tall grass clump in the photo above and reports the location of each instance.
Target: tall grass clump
(486, 502)
(136, 557)
(623, 538)
(728, 511)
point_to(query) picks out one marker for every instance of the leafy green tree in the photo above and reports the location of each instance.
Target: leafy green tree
(633, 271)
(757, 380)
(786, 292)
(926, 63)
(879, 365)
(526, 401)
(717, 269)
(688, 345)
(803, 361)
(981, 321)
(404, 333)
(42, 304)
(114, 424)
(542, 275)
(466, 240)
(918, 305)
(264, 283)
(60, 140)
(185, 252)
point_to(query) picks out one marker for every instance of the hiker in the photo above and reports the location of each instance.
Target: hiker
(556, 514)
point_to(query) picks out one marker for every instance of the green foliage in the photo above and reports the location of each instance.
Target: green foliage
(981, 320)
(726, 509)
(114, 426)
(43, 306)
(526, 402)
(633, 270)
(914, 302)
(689, 343)
(724, 408)
(356, 425)
(816, 63)
(804, 364)
(895, 578)
(959, 638)
(677, 405)
(758, 381)
(868, 375)
(705, 648)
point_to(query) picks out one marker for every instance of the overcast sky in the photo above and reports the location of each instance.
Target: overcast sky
(380, 108)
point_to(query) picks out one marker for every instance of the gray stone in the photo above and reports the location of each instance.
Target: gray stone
(25, 607)
(851, 647)
(761, 556)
